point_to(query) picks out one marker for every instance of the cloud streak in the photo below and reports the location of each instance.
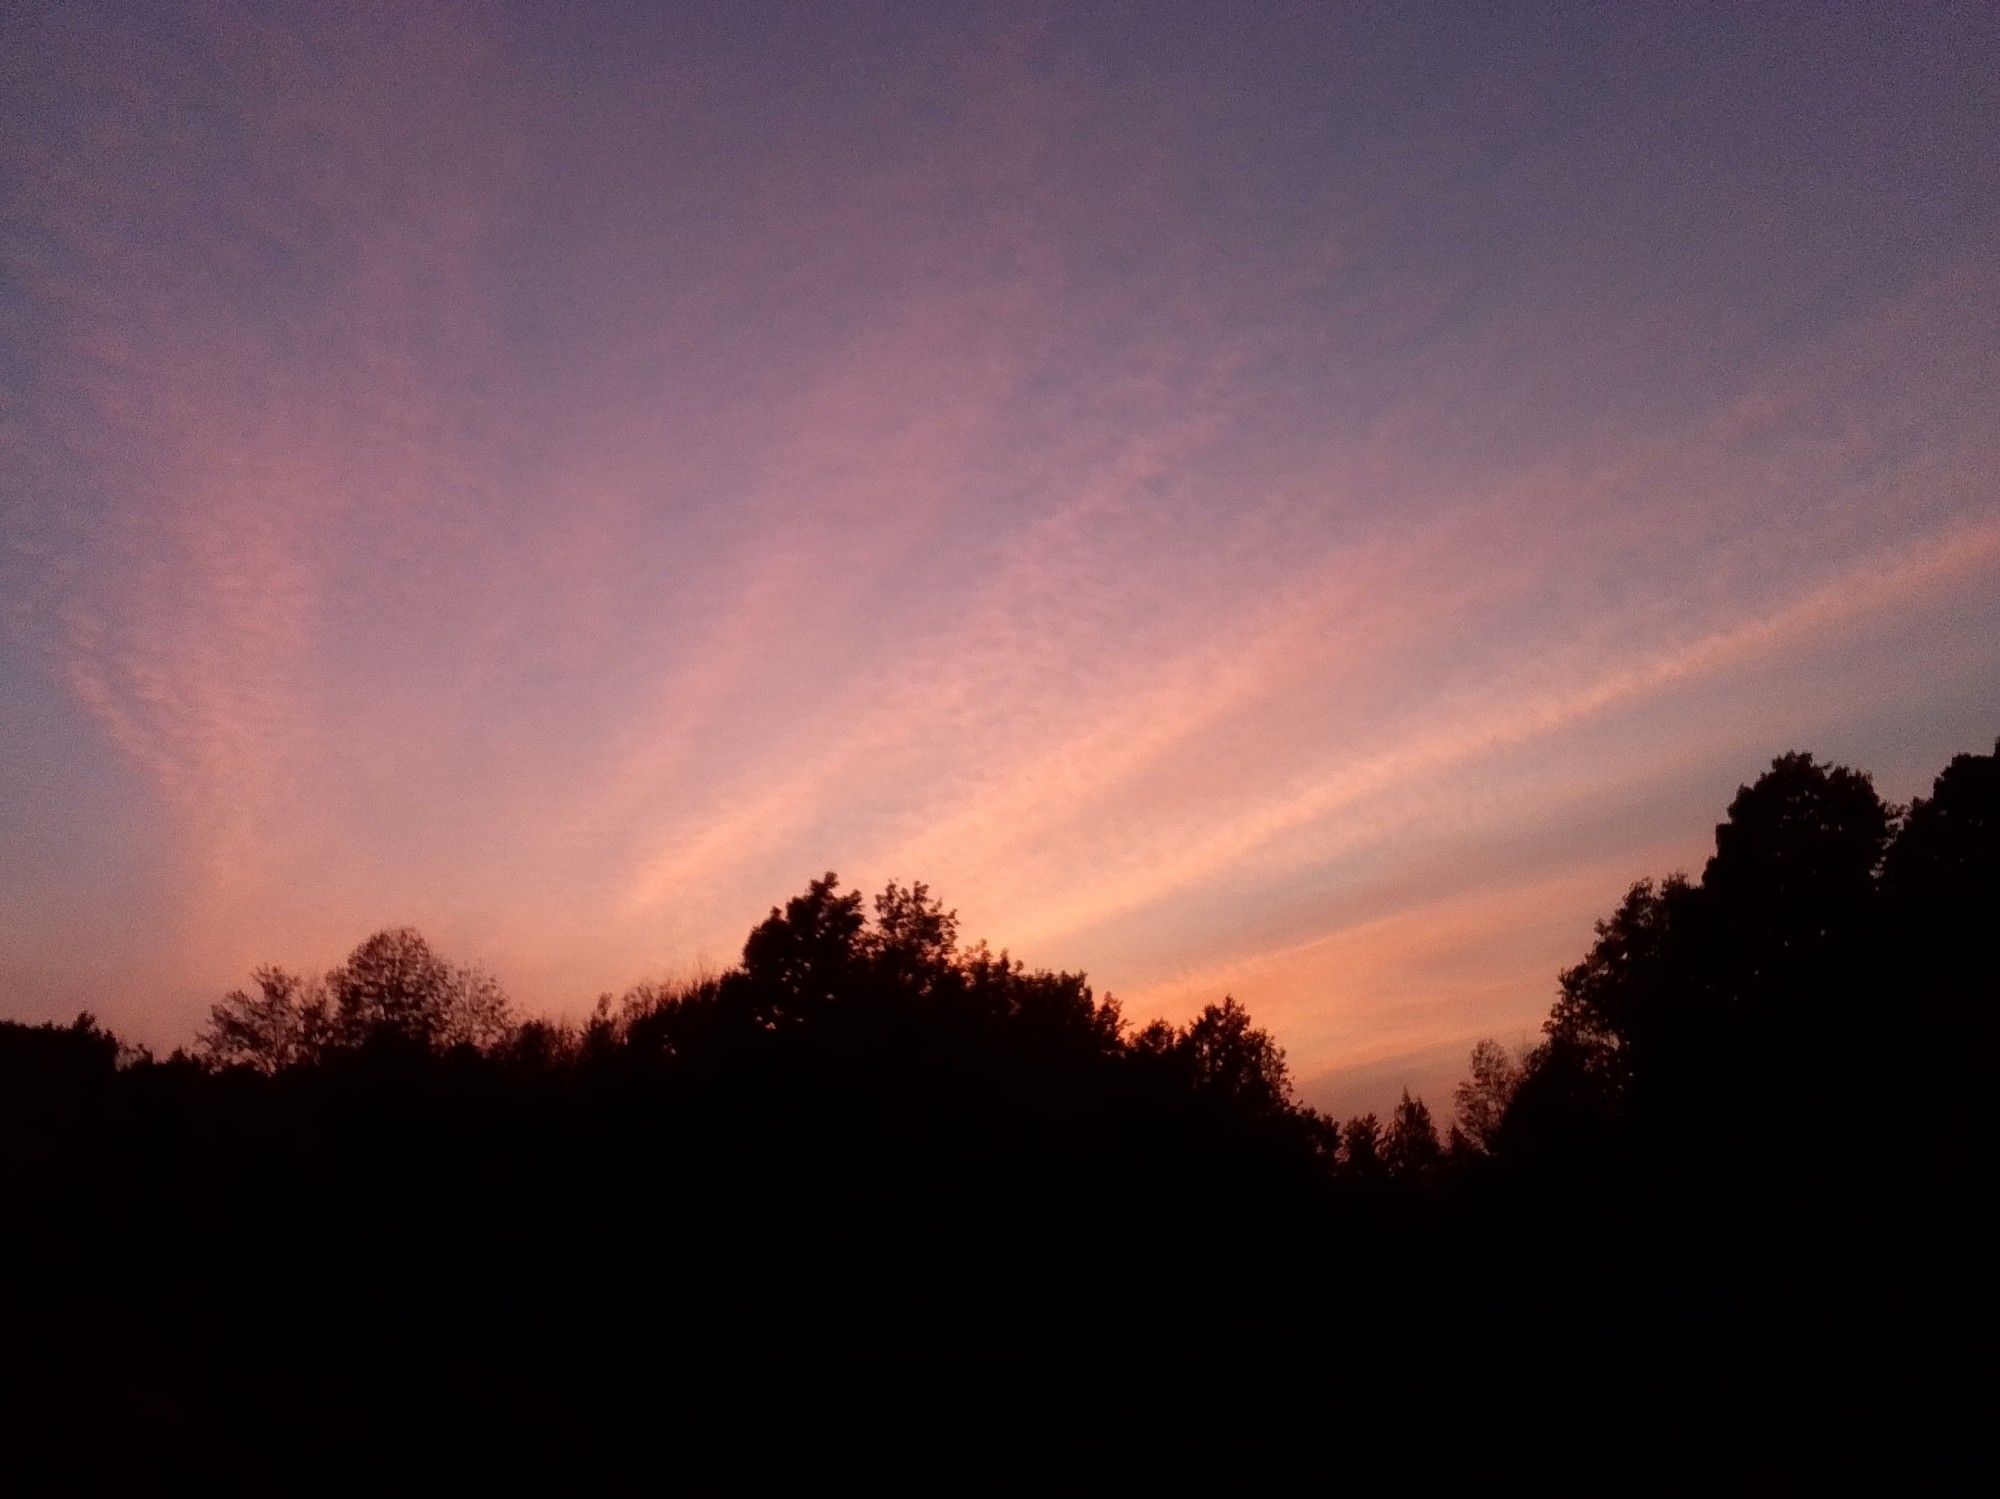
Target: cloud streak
(1514, 716)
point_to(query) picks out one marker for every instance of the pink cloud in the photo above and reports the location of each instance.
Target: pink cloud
(511, 502)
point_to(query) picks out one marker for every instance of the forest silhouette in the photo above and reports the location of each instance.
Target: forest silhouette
(875, 1202)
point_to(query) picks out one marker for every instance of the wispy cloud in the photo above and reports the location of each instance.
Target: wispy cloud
(1509, 715)
(565, 490)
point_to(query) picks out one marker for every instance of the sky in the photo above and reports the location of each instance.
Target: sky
(1304, 502)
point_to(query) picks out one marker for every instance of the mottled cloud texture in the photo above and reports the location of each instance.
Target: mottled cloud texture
(1303, 502)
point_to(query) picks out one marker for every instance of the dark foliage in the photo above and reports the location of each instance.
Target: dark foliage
(875, 1204)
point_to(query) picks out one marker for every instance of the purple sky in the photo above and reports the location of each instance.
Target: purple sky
(1307, 502)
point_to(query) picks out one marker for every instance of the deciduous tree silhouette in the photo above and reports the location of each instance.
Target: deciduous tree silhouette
(288, 1020)
(1481, 1100)
(392, 988)
(1361, 1149)
(1799, 851)
(1942, 873)
(868, 1147)
(913, 940)
(1696, 997)
(1638, 993)
(1412, 1150)
(800, 958)
(1228, 1057)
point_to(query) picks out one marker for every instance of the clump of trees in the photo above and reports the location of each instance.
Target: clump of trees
(392, 990)
(820, 974)
(826, 970)
(1830, 932)
(1730, 1194)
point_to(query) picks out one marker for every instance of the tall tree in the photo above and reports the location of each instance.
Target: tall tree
(914, 939)
(1228, 1057)
(1638, 994)
(800, 958)
(1361, 1148)
(285, 1022)
(1411, 1149)
(1480, 1101)
(395, 985)
(1945, 861)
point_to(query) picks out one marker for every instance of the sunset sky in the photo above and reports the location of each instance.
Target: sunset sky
(1306, 502)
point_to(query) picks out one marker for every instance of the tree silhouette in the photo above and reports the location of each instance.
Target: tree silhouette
(1060, 1008)
(1946, 855)
(1228, 1057)
(799, 959)
(868, 1148)
(1695, 997)
(1480, 1101)
(1361, 1157)
(1637, 992)
(1411, 1149)
(392, 988)
(913, 940)
(50, 1058)
(287, 1021)
(1788, 915)
(1939, 952)
(1799, 849)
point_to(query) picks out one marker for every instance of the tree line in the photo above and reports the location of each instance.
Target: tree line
(820, 965)
(1720, 1216)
